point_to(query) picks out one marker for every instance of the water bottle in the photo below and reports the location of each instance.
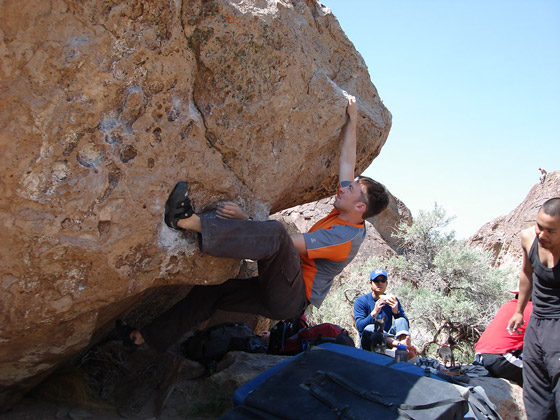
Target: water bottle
(401, 354)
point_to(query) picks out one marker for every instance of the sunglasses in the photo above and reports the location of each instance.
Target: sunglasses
(379, 279)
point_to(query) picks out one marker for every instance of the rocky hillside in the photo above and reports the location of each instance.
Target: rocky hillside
(106, 105)
(501, 235)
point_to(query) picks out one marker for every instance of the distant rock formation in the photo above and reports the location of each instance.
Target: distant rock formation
(106, 104)
(501, 235)
(387, 221)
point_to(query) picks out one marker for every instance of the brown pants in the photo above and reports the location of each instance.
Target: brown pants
(278, 292)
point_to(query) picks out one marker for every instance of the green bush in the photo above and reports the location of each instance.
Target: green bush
(448, 290)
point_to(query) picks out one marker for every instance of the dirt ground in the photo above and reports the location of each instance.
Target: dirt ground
(190, 399)
(112, 384)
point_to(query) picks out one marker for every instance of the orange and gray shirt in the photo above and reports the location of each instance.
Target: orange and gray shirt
(331, 244)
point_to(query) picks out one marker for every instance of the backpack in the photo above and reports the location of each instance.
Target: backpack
(283, 330)
(210, 345)
(318, 334)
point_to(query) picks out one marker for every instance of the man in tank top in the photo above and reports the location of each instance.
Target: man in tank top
(540, 278)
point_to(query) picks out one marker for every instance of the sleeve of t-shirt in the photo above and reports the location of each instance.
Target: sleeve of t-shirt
(333, 244)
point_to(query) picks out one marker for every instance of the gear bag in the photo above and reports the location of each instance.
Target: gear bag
(210, 345)
(283, 330)
(318, 334)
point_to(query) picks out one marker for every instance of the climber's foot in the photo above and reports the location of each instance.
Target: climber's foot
(178, 206)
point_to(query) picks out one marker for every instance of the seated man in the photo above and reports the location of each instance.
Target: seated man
(500, 350)
(292, 271)
(376, 305)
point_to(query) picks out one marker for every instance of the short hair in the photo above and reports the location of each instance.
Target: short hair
(552, 207)
(375, 197)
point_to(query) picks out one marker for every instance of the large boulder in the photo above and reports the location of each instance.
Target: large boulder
(105, 105)
(502, 235)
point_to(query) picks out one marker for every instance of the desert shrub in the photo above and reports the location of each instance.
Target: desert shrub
(449, 291)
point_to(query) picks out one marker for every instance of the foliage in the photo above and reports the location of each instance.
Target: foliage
(449, 291)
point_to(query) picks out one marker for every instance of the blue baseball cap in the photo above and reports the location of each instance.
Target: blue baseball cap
(376, 273)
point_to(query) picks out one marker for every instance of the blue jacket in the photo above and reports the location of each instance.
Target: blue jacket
(362, 313)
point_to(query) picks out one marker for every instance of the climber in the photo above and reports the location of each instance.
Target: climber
(293, 271)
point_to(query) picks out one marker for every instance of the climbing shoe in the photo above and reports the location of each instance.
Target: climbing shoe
(178, 205)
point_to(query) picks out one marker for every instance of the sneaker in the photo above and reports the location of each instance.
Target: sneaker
(178, 205)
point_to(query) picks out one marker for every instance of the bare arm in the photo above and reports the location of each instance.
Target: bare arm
(299, 243)
(525, 281)
(347, 159)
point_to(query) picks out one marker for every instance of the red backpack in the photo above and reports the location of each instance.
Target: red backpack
(318, 334)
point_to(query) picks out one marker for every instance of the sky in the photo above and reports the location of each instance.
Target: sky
(474, 90)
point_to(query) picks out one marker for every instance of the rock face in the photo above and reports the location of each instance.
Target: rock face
(105, 105)
(502, 235)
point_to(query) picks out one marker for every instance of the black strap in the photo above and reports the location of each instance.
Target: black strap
(341, 410)
(482, 410)
(365, 394)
